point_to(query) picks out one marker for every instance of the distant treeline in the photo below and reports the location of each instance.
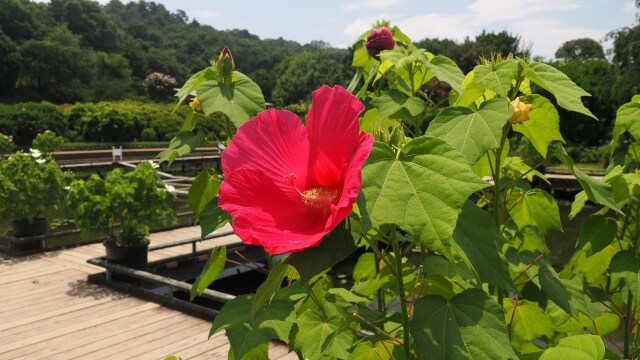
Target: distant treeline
(67, 51)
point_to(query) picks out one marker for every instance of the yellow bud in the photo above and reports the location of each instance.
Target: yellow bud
(195, 104)
(520, 111)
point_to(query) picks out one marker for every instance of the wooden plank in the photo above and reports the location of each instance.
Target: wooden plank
(47, 315)
(84, 267)
(30, 275)
(101, 337)
(205, 349)
(41, 337)
(135, 347)
(96, 310)
(162, 352)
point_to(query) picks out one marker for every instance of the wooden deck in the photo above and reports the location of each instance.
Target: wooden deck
(48, 310)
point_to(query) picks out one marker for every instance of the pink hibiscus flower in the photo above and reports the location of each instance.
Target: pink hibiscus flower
(286, 186)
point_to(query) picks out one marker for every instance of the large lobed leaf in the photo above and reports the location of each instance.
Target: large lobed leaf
(496, 77)
(422, 190)
(445, 70)
(578, 347)
(567, 93)
(469, 326)
(472, 133)
(240, 101)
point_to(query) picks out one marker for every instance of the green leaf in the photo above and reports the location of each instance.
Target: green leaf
(260, 352)
(269, 287)
(472, 133)
(565, 293)
(372, 74)
(578, 204)
(543, 125)
(627, 120)
(194, 81)
(597, 230)
(317, 336)
(625, 271)
(529, 321)
(203, 190)
(597, 191)
(182, 144)
(240, 101)
(578, 347)
(423, 190)
(212, 269)
(496, 77)
(482, 248)
(469, 326)
(537, 208)
(367, 350)
(334, 248)
(348, 295)
(212, 218)
(393, 101)
(446, 70)
(567, 93)
(190, 121)
(274, 321)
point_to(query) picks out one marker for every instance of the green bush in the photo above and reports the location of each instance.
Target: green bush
(6, 145)
(109, 122)
(47, 142)
(23, 121)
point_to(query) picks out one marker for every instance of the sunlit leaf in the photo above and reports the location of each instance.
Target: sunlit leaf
(627, 120)
(567, 93)
(182, 144)
(543, 126)
(536, 208)
(203, 190)
(472, 133)
(212, 218)
(422, 190)
(529, 321)
(496, 77)
(240, 101)
(578, 347)
(445, 70)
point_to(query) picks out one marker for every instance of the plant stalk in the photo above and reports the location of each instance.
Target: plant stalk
(627, 327)
(406, 343)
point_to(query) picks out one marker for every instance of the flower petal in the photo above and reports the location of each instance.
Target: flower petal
(263, 214)
(334, 131)
(274, 142)
(352, 182)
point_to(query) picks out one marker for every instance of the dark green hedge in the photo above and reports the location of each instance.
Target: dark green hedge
(103, 122)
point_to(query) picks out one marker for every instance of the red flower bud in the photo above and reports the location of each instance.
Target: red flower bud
(378, 40)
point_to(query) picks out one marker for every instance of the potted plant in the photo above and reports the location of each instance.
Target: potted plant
(31, 186)
(123, 206)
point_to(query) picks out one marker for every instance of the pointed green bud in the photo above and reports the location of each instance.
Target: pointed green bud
(226, 65)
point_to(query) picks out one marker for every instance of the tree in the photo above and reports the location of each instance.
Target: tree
(626, 56)
(55, 68)
(583, 48)
(298, 76)
(9, 66)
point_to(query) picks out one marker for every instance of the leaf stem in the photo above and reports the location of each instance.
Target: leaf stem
(406, 343)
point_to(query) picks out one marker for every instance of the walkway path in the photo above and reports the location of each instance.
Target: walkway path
(48, 310)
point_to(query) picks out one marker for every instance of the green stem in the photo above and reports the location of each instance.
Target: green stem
(627, 328)
(497, 191)
(403, 301)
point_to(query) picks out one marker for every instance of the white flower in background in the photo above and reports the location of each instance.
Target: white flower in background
(170, 188)
(35, 153)
(154, 165)
(41, 161)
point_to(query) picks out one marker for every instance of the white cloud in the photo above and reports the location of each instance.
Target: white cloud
(629, 7)
(372, 4)
(454, 27)
(362, 24)
(542, 23)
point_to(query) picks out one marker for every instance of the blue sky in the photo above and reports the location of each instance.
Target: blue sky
(542, 24)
